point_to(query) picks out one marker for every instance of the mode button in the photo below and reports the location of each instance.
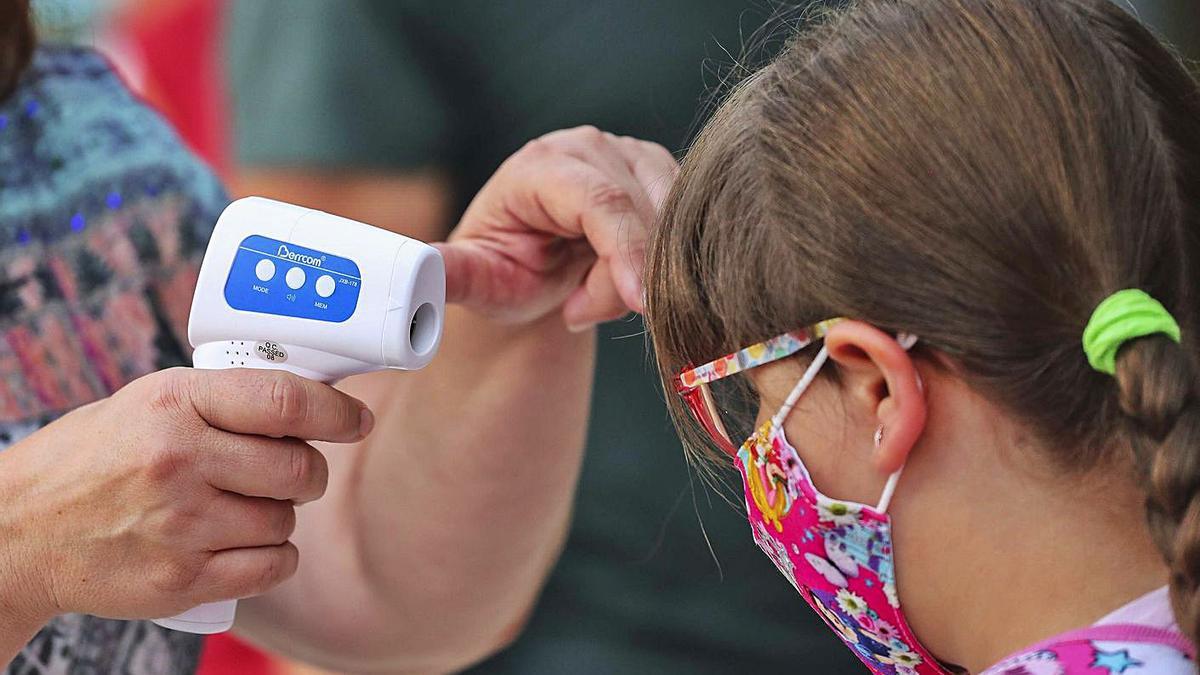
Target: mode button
(264, 270)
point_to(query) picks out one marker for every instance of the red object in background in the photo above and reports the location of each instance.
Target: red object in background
(224, 654)
(170, 50)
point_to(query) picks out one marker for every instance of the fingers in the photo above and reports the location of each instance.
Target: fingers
(577, 185)
(245, 572)
(595, 301)
(505, 282)
(653, 166)
(465, 268)
(258, 467)
(571, 198)
(610, 154)
(482, 272)
(276, 403)
(235, 521)
(642, 171)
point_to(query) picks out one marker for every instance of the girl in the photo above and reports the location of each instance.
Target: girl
(986, 213)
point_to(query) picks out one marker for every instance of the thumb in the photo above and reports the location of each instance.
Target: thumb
(480, 276)
(502, 284)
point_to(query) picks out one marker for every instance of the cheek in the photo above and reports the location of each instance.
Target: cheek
(764, 413)
(836, 451)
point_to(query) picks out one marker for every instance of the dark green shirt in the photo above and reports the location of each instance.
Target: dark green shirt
(399, 85)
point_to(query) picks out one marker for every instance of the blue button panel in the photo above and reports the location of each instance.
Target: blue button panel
(293, 281)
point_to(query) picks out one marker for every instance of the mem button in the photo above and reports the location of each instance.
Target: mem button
(325, 286)
(295, 278)
(264, 270)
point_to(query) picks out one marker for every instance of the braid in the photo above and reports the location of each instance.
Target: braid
(1157, 379)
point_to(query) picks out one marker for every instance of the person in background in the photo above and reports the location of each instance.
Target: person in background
(395, 112)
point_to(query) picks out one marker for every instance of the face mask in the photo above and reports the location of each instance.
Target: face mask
(837, 554)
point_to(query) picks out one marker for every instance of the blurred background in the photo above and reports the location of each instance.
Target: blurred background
(394, 112)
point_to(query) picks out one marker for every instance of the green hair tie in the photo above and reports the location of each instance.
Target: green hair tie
(1123, 316)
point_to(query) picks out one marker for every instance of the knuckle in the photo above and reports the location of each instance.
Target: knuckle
(300, 469)
(631, 148)
(320, 472)
(287, 400)
(275, 568)
(285, 524)
(535, 149)
(268, 574)
(166, 459)
(610, 196)
(590, 135)
(176, 576)
(177, 523)
(168, 391)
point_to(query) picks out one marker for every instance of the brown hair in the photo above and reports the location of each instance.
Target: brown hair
(16, 43)
(981, 173)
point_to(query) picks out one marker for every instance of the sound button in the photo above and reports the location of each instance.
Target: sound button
(295, 278)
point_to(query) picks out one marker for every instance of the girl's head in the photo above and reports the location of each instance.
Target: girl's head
(16, 43)
(982, 174)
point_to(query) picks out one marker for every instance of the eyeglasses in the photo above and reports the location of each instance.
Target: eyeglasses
(693, 384)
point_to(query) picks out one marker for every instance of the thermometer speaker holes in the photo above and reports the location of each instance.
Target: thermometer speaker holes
(237, 353)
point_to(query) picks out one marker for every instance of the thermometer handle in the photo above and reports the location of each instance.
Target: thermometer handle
(217, 617)
(212, 617)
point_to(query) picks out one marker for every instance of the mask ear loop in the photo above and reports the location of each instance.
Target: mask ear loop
(906, 340)
(889, 490)
(801, 386)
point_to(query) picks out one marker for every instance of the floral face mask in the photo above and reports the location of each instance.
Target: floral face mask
(837, 554)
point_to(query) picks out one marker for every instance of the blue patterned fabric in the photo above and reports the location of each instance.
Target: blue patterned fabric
(103, 221)
(72, 136)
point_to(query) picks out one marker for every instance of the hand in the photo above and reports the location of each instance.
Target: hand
(178, 490)
(563, 222)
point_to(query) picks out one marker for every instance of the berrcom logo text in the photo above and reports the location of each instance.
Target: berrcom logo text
(299, 257)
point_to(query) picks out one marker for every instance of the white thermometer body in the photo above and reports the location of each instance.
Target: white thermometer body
(283, 287)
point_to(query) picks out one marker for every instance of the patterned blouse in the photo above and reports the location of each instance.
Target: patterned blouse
(104, 217)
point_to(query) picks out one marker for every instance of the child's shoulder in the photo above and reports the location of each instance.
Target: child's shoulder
(1103, 649)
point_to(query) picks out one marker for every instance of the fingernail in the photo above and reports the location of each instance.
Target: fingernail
(366, 422)
(579, 327)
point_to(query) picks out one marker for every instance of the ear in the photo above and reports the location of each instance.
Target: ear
(882, 380)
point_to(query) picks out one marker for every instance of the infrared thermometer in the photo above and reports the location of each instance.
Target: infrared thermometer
(284, 287)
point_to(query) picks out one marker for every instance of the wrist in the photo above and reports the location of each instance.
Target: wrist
(19, 619)
(23, 606)
(15, 633)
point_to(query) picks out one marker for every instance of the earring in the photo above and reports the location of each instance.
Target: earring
(879, 437)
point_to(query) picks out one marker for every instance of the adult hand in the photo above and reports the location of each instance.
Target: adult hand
(563, 222)
(178, 490)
